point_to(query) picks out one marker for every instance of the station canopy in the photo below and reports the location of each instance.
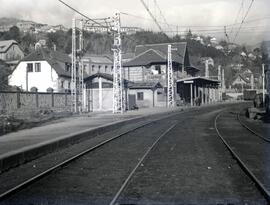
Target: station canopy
(199, 81)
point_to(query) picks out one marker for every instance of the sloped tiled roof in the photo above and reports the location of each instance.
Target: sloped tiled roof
(100, 75)
(144, 85)
(4, 45)
(146, 58)
(153, 53)
(56, 59)
(98, 59)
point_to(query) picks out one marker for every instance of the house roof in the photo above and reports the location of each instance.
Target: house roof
(56, 59)
(241, 77)
(98, 59)
(157, 53)
(101, 75)
(5, 45)
(128, 56)
(144, 85)
(146, 58)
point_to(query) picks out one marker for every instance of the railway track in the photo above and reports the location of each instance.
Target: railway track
(233, 150)
(136, 160)
(12, 191)
(114, 200)
(251, 130)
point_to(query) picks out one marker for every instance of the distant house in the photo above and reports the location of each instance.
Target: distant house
(240, 80)
(43, 69)
(10, 51)
(97, 64)
(26, 26)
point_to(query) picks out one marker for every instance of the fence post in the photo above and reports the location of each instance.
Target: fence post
(66, 99)
(18, 99)
(52, 99)
(37, 103)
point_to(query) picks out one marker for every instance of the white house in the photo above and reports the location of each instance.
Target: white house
(43, 69)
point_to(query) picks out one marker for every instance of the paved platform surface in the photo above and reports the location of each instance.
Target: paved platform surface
(20, 140)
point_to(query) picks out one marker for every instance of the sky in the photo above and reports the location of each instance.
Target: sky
(206, 17)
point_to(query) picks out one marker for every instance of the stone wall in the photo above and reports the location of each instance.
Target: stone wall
(12, 101)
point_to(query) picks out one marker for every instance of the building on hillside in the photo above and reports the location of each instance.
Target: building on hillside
(10, 52)
(43, 69)
(97, 64)
(26, 26)
(241, 81)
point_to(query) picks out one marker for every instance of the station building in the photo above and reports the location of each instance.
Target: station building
(145, 79)
(148, 68)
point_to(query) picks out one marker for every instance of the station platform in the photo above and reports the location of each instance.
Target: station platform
(25, 145)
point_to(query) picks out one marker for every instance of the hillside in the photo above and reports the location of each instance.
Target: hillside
(101, 43)
(10, 21)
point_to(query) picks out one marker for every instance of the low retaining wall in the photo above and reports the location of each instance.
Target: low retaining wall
(12, 101)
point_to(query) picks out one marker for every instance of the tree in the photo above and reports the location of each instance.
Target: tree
(13, 34)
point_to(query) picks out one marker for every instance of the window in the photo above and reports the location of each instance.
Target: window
(62, 84)
(106, 69)
(140, 96)
(37, 67)
(158, 68)
(29, 67)
(99, 68)
(93, 68)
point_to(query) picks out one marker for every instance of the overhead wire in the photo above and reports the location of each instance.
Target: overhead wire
(243, 20)
(238, 14)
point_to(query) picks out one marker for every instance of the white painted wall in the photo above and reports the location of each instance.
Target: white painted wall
(42, 80)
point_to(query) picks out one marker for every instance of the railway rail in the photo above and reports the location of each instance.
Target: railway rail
(127, 180)
(261, 186)
(8, 193)
(138, 164)
(250, 129)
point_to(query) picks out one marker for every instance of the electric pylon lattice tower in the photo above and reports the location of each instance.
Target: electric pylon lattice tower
(118, 83)
(170, 83)
(77, 77)
(73, 85)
